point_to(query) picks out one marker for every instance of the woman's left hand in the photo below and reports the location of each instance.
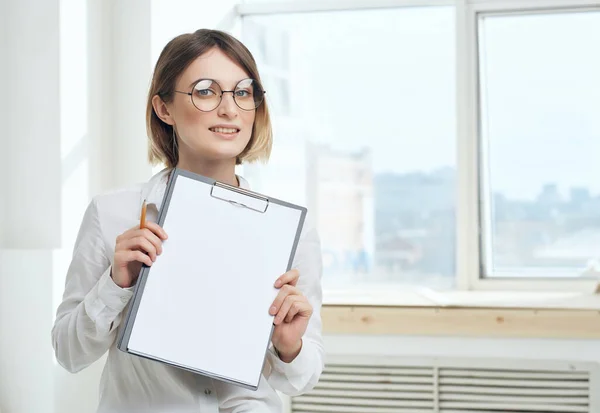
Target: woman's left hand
(292, 312)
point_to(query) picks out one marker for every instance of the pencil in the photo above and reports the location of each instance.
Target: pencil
(143, 217)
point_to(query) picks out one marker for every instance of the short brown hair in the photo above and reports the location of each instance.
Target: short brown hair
(177, 55)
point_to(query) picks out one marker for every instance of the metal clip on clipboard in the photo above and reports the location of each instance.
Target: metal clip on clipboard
(241, 191)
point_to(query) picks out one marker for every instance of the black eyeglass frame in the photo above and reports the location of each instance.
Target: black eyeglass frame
(191, 94)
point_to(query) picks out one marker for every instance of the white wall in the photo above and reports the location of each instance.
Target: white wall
(415, 346)
(3, 200)
(30, 138)
(25, 354)
(100, 90)
(3, 108)
(32, 123)
(132, 69)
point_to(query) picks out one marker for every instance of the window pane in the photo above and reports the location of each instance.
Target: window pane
(540, 93)
(363, 107)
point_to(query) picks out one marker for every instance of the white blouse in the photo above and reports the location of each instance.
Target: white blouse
(88, 319)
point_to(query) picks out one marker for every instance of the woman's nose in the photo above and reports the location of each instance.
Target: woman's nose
(228, 107)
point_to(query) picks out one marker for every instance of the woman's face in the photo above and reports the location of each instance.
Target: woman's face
(220, 134)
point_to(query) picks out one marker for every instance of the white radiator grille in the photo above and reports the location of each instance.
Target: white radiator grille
(356, 388)
(377, 385)
(498, 390)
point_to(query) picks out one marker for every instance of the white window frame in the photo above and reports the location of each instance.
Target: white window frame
(472, 202)
(469, 269)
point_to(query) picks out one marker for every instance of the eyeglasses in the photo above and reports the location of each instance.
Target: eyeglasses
(207, 94)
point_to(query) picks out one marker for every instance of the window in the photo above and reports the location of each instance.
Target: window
(540, 134)
(363, 108)
(437, 144)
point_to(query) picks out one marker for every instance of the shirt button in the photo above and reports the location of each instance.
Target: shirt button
(124, 299)
(208, 392)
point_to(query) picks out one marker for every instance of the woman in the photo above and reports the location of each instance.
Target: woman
(206, 113)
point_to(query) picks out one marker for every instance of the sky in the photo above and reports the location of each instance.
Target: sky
(385, 79)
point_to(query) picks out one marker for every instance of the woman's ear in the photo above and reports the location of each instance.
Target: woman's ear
(161, 110)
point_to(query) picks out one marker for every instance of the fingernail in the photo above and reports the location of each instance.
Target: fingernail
(277, 283)
(273, 309)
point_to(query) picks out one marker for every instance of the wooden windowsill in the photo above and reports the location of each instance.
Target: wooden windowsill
(464, 322)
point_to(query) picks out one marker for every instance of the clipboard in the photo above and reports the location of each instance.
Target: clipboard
(204, 304)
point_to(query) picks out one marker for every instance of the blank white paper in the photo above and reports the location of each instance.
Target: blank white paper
(205, 304)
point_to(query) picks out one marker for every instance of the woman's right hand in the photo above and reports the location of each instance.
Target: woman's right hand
(135, 247)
